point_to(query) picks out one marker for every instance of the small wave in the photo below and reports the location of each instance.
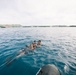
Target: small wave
(66, 68)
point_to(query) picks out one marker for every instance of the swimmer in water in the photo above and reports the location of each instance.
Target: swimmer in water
(24, 51)
(19, 54)
(31, 47)
(39, 43)
(34, 44)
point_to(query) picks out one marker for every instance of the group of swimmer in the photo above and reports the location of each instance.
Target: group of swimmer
(34, 45)
(31, 47)
(25, 50)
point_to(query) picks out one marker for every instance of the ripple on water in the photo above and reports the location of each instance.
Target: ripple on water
(57, 48)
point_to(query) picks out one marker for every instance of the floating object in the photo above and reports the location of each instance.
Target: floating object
(48, 69)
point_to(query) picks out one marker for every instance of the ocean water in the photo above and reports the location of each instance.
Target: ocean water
(58, 48)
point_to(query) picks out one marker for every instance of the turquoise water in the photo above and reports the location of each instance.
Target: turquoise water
(58, 48)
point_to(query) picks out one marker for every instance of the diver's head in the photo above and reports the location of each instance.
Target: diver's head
(39, 41)
(34, 40)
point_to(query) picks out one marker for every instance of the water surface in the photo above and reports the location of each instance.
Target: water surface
(58, 48)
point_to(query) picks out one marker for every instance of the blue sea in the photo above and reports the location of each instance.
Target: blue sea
(58, 48)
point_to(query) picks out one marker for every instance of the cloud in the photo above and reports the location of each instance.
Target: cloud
(37, 12)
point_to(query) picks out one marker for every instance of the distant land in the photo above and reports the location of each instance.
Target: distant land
(19, 25)
(9, 25)
(64, 26)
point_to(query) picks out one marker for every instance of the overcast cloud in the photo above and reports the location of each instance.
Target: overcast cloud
(38, 12)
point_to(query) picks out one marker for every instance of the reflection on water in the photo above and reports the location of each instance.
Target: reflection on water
(58, 47)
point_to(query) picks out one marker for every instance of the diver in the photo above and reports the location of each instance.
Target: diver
(34, 44)
(18, 54)
(31, 47)
(24, 51)
(39, 43)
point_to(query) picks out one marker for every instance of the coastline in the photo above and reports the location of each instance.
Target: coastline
(29, 26)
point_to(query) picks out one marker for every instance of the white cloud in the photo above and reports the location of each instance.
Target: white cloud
(29, 12)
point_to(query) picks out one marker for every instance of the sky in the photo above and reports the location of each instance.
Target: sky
(38, 12)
